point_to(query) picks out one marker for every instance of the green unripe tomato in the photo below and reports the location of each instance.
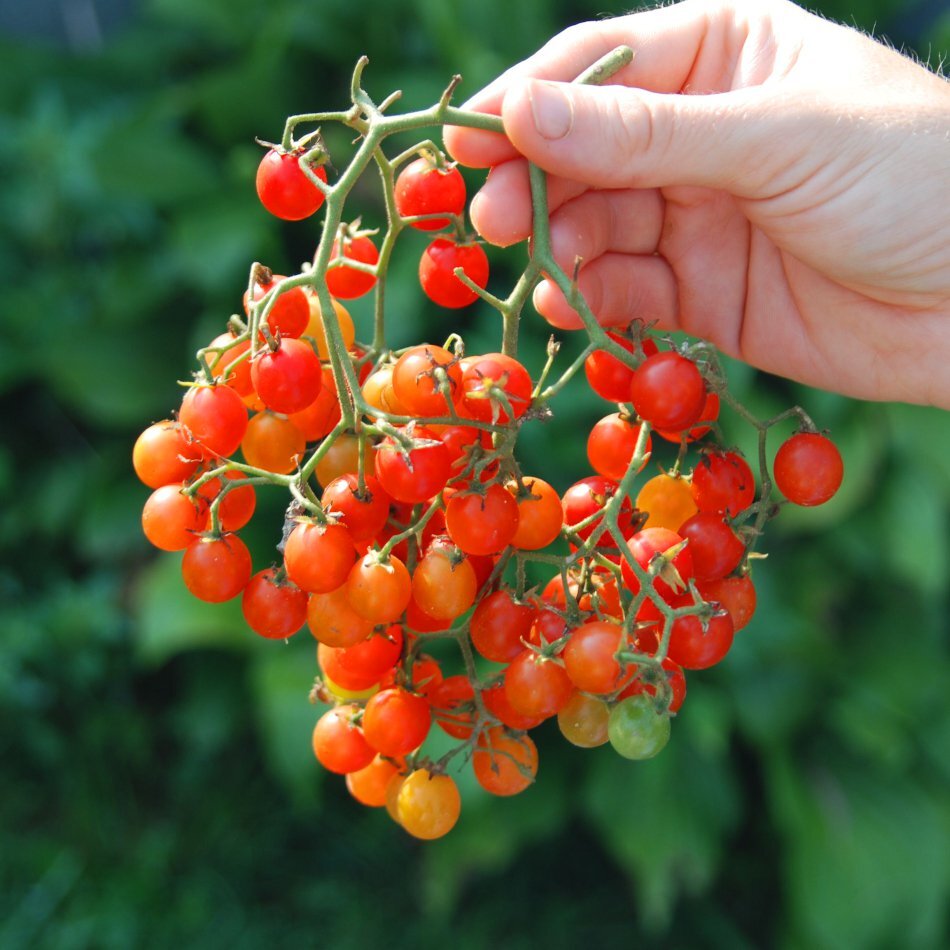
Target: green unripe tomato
(636, 730)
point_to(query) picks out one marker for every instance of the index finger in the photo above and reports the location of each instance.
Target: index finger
(665, 42)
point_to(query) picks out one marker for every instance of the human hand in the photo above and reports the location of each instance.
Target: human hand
(759, 177)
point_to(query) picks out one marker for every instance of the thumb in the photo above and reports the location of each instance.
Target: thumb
(616, 137)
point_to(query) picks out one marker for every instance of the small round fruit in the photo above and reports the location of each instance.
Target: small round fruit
(504, 764)
(808, 469)
(284, 188)
(437, 272)
(636, 730)
(428, 805)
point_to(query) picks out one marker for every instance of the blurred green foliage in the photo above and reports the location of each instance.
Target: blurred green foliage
(158, 788)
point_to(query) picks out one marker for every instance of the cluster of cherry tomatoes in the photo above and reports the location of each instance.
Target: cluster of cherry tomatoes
(412, 524)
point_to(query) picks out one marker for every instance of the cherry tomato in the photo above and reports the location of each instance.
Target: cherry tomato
(289, 377)
(364, 513)
(334, 622)
(216, 418)
(668, 391)
(396, 721)
(170, 519)
(289, 313)
(583, 721)
(424, 188)
(504, 764)
(216, 569)
(697, 646)
(272, 608)
(417, 475)
(284, 188)
(489, 381)
(365, 663)
(437, 272)
(444, 583)
(667, 500)
(540, 515)
(319, 557)
(611, 446)
(499, 625)
(808, 469)
(415, 380)
(537, 686)
(164, 453)
(348, 283)
(338, 744)
(610, 378)
(589, 657)
(482, 523)
(368, 785)
(715, 548)
(723, 483)
(636, 730)
(428, 805)
(676, 570)
(273, 443)
(736, 594)
(379, 590)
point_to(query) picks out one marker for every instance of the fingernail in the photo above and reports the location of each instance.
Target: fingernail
(553, 111)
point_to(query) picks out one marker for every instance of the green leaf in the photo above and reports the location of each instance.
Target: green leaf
(282, 674)
(167, 620)
(882, 835)
(665, 820)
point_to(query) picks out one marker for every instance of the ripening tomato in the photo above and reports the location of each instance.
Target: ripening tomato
(318, 557)
(668, 391)
(496, 702)
(808, 469)
(715, 548)
(667, 500)
(379, 590)
(171, 519)
(504, 764)
(341, 458)
(348, 282)
(636, 729)
(316, 325)
(537, 686)
(216, 569)
(316, 421)
(272, 607)
(437, 272)
(288, 378)
(164, 453)
(273, 443)
(368, 785)
(289, 313)
(334, 622)
(420, 376)
(396, 721)
(339, 744)
(583, 720)
(482, 523)
(428, 805)
(612, 444)
(444, 583)
(215, 416)
(284, 188)
(425, 188)
(540, 515)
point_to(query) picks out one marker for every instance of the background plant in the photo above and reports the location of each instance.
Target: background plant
(154, 788)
